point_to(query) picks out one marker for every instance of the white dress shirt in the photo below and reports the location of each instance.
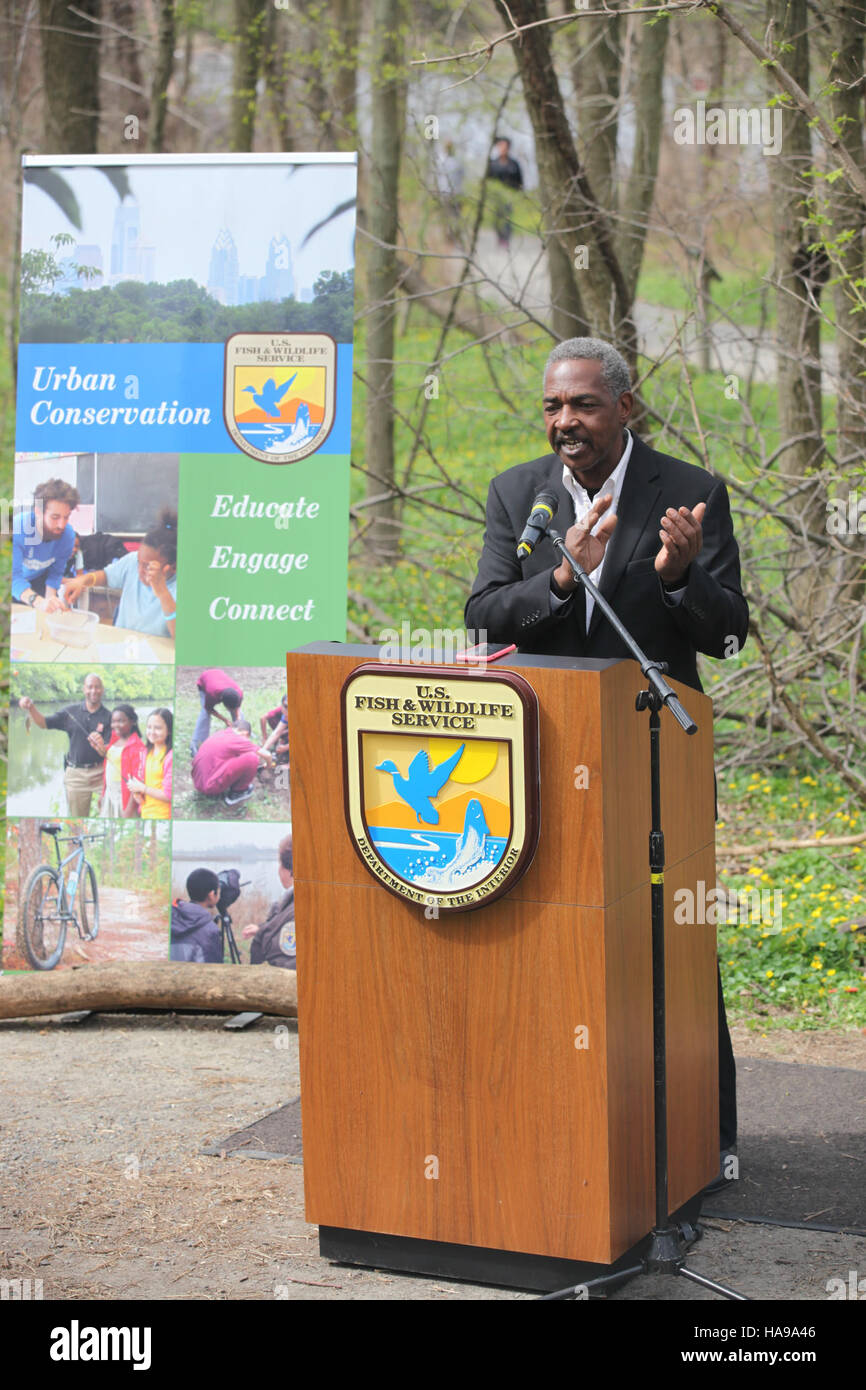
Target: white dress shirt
(583, 502)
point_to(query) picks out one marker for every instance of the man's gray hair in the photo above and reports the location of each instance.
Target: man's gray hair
(614, 368)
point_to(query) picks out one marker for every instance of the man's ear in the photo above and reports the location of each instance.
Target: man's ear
(626, 405)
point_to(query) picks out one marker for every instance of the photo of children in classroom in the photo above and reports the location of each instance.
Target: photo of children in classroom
(94, 558)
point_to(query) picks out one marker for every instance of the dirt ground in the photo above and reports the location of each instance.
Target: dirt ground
(104, 1193)
(132, 926)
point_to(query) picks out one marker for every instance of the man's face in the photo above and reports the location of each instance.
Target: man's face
(54, 517)
(93, 692)
(583, 420)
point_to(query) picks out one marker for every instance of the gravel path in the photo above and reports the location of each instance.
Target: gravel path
(105, 1193)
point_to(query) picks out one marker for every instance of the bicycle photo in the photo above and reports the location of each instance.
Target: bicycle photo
(99, 894)
(47, 905)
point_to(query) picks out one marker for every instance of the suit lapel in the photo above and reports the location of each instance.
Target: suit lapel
(638, 500)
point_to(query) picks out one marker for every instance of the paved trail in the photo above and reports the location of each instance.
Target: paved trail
(520, 273)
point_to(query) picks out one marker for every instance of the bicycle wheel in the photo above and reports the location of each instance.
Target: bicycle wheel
(89, 901)
(41, 927)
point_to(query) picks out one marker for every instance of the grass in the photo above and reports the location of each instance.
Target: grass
(803, 967)
(742, 297)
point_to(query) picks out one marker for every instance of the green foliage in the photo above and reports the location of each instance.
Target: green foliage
(743, 297)
(129, 857)
(181, 311)
(64, 681)
(808, 969)
(40, 270)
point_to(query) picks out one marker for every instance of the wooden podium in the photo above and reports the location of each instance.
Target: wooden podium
(477, 1091)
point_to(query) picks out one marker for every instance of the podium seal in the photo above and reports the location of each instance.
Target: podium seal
(440, 771)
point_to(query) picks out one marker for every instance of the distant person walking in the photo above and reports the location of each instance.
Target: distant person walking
(505, 170)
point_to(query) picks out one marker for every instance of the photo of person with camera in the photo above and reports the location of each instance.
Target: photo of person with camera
(233, 896)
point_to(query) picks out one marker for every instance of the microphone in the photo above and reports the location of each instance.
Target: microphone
(539, 519)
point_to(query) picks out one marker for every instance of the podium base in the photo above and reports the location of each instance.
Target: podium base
(474, 1264)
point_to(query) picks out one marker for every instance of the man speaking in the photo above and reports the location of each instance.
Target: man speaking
(652, 532)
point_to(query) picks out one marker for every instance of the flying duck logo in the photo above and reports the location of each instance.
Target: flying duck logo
(280, 393)
(441, 781)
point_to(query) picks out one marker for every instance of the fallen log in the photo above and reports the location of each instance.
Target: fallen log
(151, 985)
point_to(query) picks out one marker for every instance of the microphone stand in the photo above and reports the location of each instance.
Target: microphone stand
(665, 1254)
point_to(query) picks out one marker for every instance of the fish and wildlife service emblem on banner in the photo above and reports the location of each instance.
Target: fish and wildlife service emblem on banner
(441, 781)
(280, 393)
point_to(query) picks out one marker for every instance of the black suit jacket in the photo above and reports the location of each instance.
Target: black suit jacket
(512, 601)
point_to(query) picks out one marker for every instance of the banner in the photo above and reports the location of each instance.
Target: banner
(181, 519)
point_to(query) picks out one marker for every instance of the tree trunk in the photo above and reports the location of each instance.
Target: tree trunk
(187, 61)
(798, 279)
(345, 71)
(250, 17)
(148, 985)
(595, 60)
(567, 317)
(383, 270)
(124, 49)
(640, 188)
(162, 76)
(30, 849)
(309, 60)
(16, 73)
(70, 67)
(799, 273)
(275, 69)
(573, 213)
(848, 215)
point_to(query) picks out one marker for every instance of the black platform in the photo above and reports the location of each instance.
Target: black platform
(505, 1268)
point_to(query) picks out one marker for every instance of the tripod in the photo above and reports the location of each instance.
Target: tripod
(227, 938)
(668, 1240)
(230, 891)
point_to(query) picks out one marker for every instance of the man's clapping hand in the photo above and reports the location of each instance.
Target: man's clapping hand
(681, 536)
(587, 549)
